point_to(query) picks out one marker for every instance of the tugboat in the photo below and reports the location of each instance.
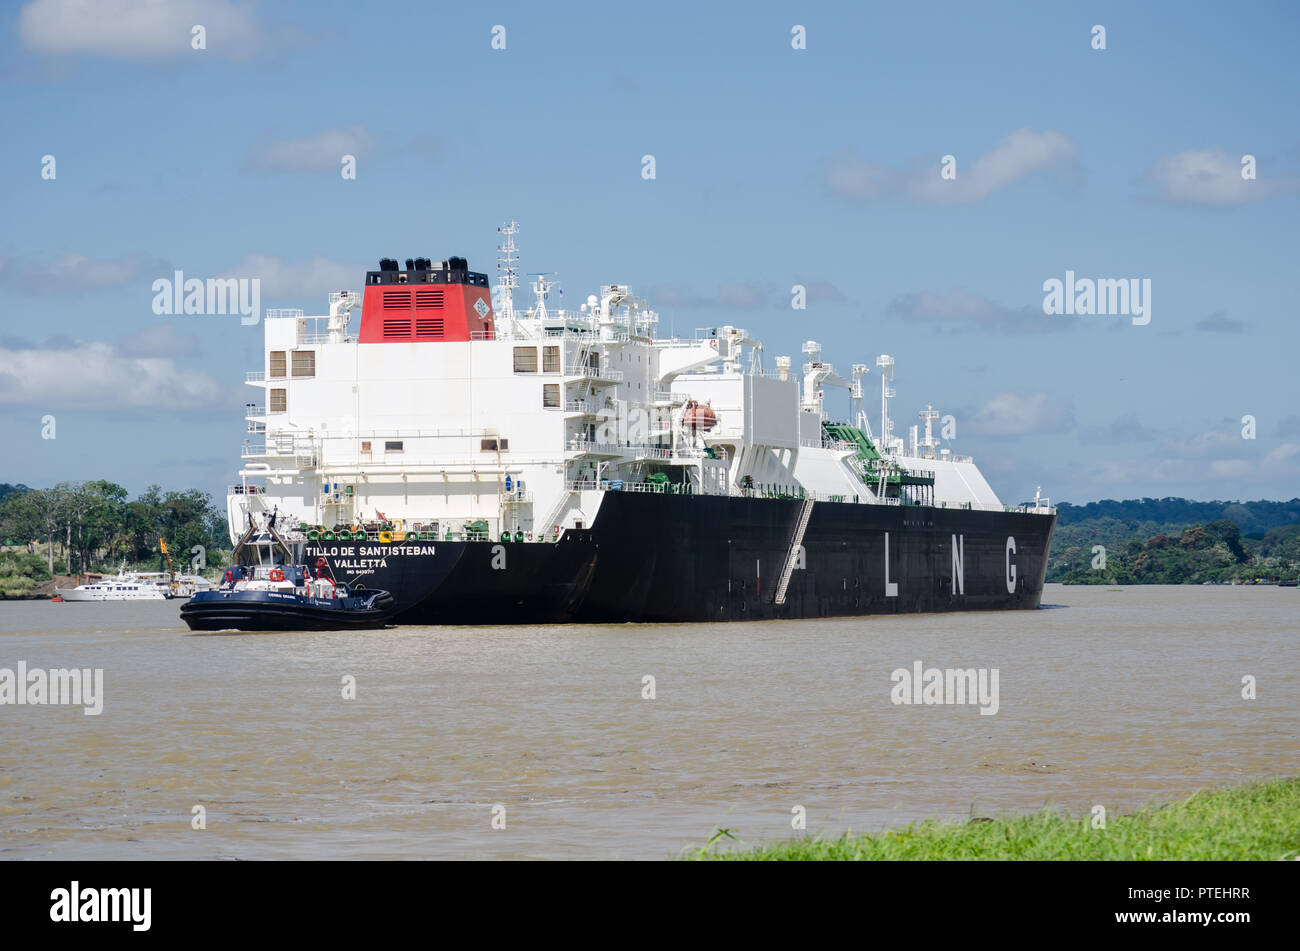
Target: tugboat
(265, 591)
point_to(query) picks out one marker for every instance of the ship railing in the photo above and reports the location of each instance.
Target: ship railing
(838, 445)
(668, 396)
(656, 452)
(253, 411)
(702, 335)
(245, 490)
(622, 485)
(281, 313)
(1027, 508)
(315, 339)
(587, 336)
(282, 444)
(591, 373)
(787, 493)
(249, 451)
(255, 376)
(595, 447)
(675, 343)
(917, 473)
(1044, 507)
(639, 450)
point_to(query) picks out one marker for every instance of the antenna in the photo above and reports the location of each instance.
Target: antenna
(855, 398)
(929, 414)
(542, 289)
(886, 364)
(507, 265)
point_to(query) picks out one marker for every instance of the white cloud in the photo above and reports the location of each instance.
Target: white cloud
(304, 284)
(1203, 444)
(964, 310)
(76, 273)
(1020, 155)
(159, 339)
(138, 29)
(323, 151)
(1127, 428)
(1220, 323)
(1206, 177)
(1275, 471)
(95, 377)
(743, 295)
(1021, 414)
(823, 292)
(731, 295)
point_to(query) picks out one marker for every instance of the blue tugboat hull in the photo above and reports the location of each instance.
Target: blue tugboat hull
(273, 611)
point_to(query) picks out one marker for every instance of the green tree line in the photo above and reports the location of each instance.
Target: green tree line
(1254, 518)
(1214, 552)
(95, 524)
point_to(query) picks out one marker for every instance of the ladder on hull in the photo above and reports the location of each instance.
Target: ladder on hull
(563, 503)
(792, 556)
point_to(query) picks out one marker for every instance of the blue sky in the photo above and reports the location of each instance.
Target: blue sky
(774, 166)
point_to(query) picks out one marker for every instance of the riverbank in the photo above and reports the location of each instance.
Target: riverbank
(16, 587)
(1260, 821)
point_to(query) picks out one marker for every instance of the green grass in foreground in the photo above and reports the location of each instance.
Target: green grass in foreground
(1259, 821)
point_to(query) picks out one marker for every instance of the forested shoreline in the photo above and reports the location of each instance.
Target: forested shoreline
(1176, 541)
(77, 527)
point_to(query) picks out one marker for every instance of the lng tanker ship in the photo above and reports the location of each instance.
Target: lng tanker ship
(492, 465)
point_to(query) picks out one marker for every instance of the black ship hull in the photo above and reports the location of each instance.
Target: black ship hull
(667, 558)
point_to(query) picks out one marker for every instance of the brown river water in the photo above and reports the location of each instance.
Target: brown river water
(1118, 697)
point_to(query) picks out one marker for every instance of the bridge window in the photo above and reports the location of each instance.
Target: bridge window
(550, 395)
(550, 359)
(494, 445)
(525, 359)
(279, 401)
(304, 363)
(277, 363)
(393, 445)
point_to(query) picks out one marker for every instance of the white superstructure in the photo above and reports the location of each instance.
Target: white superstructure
(521, 426)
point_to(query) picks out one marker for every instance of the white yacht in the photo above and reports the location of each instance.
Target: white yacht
(126, 586)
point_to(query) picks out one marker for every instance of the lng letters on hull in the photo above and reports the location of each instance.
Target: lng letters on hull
(492, 465)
